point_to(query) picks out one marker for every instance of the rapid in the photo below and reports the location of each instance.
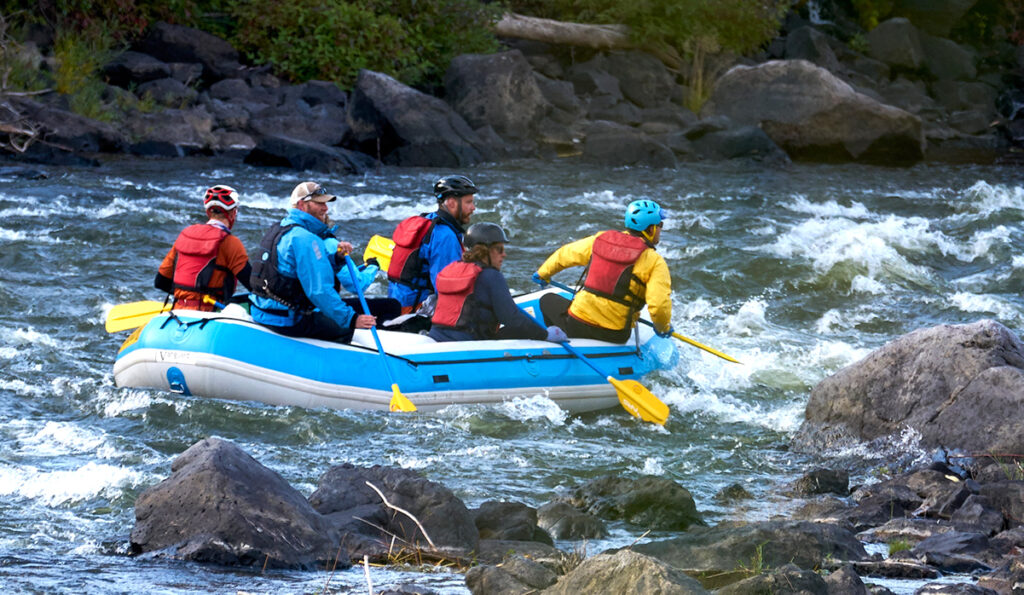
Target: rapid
(796, 271)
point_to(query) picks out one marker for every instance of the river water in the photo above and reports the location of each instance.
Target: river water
(797, 272)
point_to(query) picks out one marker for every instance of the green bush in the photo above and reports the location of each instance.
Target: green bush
(871, 12)
(79, 56)
(412, 40)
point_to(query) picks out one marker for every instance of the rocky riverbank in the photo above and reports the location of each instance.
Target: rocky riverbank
(906, 93)
(963, 513)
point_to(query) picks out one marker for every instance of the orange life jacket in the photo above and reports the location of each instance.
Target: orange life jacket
(195, 261)
(610, 270)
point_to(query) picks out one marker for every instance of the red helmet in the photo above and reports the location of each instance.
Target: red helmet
(224, 197)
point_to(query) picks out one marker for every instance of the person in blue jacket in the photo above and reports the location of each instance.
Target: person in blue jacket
(473, 300)
(426, 243)
(294, 278)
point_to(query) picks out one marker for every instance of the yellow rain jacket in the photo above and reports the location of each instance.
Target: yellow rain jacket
(599, 311)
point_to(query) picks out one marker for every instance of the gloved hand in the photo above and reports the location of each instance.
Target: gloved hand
(366, 274)
(539, 280)
(556, 335)
(666, 334)
(372, 261)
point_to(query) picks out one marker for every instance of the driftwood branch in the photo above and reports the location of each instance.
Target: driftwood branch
(598, 37)
(403, 511)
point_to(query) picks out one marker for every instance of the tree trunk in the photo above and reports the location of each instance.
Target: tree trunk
(599, 37)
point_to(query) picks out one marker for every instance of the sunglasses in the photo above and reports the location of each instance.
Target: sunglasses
(318, 192)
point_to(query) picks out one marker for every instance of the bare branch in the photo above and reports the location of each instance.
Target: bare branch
(403, 511)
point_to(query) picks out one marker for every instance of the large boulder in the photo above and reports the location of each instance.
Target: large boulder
(724, 547)
(404, 126)
(954, 384)
(613, 144)
(69, 130)
(813, 115)
(648, 501)
(948, 60)
(176, 43)
(440, 513)
(170, 133)
(934, 16)
(897, 43)
(221, 506)
(643, 79)
(498, 90)
(285, 151)
(133, 67)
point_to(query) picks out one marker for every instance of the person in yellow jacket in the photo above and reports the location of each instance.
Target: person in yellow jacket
(624, 272)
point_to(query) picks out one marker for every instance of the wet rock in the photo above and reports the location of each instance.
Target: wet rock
(1008, 578)
(208, 511)
(845, 581)
(443, 516)
(895, 568)
(813, 115)
(824, 481)
(232, 144)
(496, 551)
(530, 573)
(954, 589)
(492, 580)
(563, 521)
(407, 590)
(969, 122)
(1008, 498)
(25, 173)
(175, 43)
(953, 551)
(282, 151)
(977, 514)
(768, 543)
(69, 132)
(497, 90)
(624, 571)
(733, 492)
(133, 67)
(787, 579)
(406, 127)
(897, 43)
(648, 501)
(951, 383)
(325, 124)
(903, 529)
(745, 141)
(513, 521)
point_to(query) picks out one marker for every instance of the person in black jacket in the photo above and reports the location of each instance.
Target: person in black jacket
(473, 300)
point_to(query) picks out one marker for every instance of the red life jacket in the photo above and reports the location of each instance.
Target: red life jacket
(406, 265)
(611, 268)
(196, 260)
(455, 285)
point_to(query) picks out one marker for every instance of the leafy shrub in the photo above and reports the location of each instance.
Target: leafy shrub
(412, 40)
(79, 55)
(871, 12)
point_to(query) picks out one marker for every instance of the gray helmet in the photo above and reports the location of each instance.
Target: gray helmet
(453, 186)
(484, 233)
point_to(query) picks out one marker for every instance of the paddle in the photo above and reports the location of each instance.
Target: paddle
(127, 316)
(380, 248)
(398, 401)
(633, 396)
(674, 334)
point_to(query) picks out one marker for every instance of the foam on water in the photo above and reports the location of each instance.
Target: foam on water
(800, 204)
(537, 407)
(64, 487)
(994, 305)
(728, 409)
(61, 438)
(985, 199)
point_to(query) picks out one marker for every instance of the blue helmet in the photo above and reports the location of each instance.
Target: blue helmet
(640, 214)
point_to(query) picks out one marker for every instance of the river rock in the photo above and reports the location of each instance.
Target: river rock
(497, 90)
(176, 43)
(167, 92)
(845, 581)
(517, 574)
(404, 126)
(283, 151)
(1008, 498)
(786, 579)
(624, 571)
(643, 79)
(562, 521)
(824, 481)
(134, 67)
(69, 131)
(496, 551)
(718, 549)
(648, 501)
(807, 43)
(744, 141)
(951, 383)
(442, 515)
(171, 132)
(220, 505)
(897, 43)
(509, 520)
(613, 144)
(813, 115)
(934, 16)
(947, 60)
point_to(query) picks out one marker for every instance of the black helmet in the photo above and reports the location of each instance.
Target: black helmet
(484, 233)
(453, 186)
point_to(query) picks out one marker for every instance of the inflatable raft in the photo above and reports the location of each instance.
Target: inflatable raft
(225, 355)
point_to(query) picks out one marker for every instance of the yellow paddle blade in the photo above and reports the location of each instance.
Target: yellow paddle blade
(380, 248)
(636, 399)
(706, 348)
(399, 402)
(125, 316)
